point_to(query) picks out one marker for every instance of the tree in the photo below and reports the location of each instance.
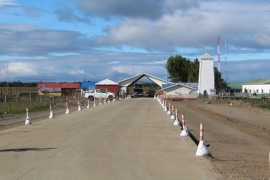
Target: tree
(181, 69)
(219, 81)
(194, 70)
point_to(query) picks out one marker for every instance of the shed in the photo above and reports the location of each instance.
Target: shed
(58, 89)
(180, 90)
(108, 84)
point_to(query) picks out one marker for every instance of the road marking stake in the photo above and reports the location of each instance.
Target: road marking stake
(88, 104)
(99, 101)
(176, 121)
(67, 109)
(202, 148)
(185, 131)
(79, 106)
(169, 109)
(165, 105)
(27, 120)
(51, 113)
(269, 158)
(172, 116)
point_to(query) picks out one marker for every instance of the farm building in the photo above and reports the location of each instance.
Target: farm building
(58, 89)
(108, 84)
(261, 86)
(126, 86)
(179, 90)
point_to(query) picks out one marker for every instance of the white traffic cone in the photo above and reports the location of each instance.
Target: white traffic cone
(202, 148)
(105, 101)
(169, 109)
(79, 106)
(185, 131)
(172, 116)
(165, 106)
(99, 101)
(51, 113)
(163, 103)
(176, 121)
(94, 103)
(27, 120)
(88, 104)
(67, 109)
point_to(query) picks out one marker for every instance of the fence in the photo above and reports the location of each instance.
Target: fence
(18, 90)
(180, 96)
(255, 99)
(16, 104)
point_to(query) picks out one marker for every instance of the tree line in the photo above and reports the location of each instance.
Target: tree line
(181, 69)
(18, 84)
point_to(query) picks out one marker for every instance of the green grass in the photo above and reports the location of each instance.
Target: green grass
(23, 110)
(39, 108)
(264, 106)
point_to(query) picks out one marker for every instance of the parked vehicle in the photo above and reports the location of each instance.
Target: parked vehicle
(97, 94)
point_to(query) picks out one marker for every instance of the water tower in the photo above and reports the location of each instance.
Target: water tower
(206, 85)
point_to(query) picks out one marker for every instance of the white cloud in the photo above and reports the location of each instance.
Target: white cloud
(7, 2)
(159, 29)
(22, 69)
(76, 72)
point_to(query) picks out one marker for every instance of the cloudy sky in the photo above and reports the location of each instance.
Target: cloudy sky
(73, 40)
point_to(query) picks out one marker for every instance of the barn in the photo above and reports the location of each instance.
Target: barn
(108, 85)
(58, 89)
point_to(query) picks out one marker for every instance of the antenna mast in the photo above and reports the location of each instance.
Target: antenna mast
(218, 53)
(226, 78)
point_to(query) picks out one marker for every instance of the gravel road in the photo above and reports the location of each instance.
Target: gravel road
(128, 139)
(237, 134)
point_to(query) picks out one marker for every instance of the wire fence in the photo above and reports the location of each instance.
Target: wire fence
(17, 104)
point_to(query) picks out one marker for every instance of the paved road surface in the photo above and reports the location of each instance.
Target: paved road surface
(128, 139)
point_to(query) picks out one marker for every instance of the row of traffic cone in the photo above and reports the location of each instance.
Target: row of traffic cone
(51, 115)
(202, 148)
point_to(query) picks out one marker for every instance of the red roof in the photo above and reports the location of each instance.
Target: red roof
(59, 85)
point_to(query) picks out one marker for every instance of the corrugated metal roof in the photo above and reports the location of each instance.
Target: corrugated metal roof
(174, 85)
(238, 85)
(88, 85)
(258, 81)
(59, 85)
(235, 85)
(106, 82)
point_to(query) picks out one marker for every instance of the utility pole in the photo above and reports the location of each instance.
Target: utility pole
(7, 77)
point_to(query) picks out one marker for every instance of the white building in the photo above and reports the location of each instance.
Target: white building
(258, 88)
(206, 85)
(180, 90)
